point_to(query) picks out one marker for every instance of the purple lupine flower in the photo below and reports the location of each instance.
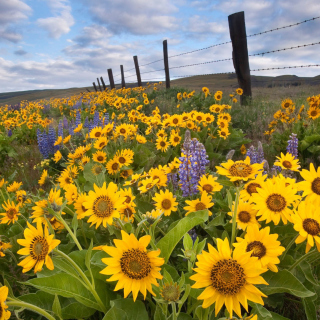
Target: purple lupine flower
(78, 119)
(43, 145)
(65, 122)
(173, 178)
(60, 129)
(252, 154)
(9, 133)
(86, 122)
(52, 137)
(96, 119)
(293, 145)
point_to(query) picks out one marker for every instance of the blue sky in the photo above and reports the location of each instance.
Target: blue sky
(51, 44)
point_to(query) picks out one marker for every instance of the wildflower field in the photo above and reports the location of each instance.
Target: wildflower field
(148, 203)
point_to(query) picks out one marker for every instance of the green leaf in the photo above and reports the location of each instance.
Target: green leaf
(171, 239)
(133, 310)
(77, 310)
(306, 269)
(309, 308)
(65, 286)
(159, 315)
(284, 281)
(115, 313)
(88, 259)
(226, 183)
(260, 311)
(172, 271)
(275, 316)
(184, 316)
(40, 299)
(74, 223)
(187, 242)
(56, 307)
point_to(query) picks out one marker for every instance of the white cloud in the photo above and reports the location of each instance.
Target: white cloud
(62, 20)
(12, 13)
(137, 17)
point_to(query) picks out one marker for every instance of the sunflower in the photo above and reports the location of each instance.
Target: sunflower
(4, 246)
(38, 244)
(132, 265)
(216, 108)
(79, 207)
(175, 120)
(263, 245)
(239, 91)
(288, 162)
(78, 128)
(166, 202)
(246, 215)
(160, 174)
(103, 204)
(113, 166)
(43, 177)
(218, 95)
(13, 187)
(224, 116)
(71, 193)
(206, 91)
(65, 179)
(127, 196)
(286, 104)
(228, 278)
(162, 144)
(272, 201)
(306, 221)
(100, 143)
(11, 214)
(96, 133)
(147, 184)
(175, 139)
(57, 156)
(251, 187)
(134, 180)
(66, 139)
(4, 314)
(99, 156)
(240, 170)
(59, 140)
(127, 212)
(126, 173)
(209, 184)
(161, 133)
(311, 185)
(141, 139)
(224, 133)
(125, 157)
(199, 204)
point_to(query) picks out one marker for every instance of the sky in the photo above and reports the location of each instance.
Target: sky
(55, 44)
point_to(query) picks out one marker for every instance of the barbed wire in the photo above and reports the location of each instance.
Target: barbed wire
(288, 26)
(143, 65)
(291, 67)
(205, 74)
(278, 50)
(197, 64)
(215, 45)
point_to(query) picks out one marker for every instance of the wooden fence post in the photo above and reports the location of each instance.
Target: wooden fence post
(135, 59)
(103, 84)
(240, 56)
(123, 83)
(95, 88)
(112, 86)
(88, 90)
(99, 84)
(166, 63)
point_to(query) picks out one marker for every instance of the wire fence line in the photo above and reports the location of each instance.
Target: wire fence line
(225, 59)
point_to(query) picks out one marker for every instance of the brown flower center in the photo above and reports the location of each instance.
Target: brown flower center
(175, 120)
(258, 249)
(276, 202)
(200, 206)
(122, 131)
(100, 158)
(170, 292)
(176, 139)
(162, 144)
(122, 159)
(227, 277)
(315, 186)
(207, 187)
(149, 185)
(103, 207)
(311, 226)
(39, 248)
(96, 170)
(97, 134)
(244, 216)
(240, 170)
(115, 166)
(166, 204)
(286, 105)
(11, 213)
(287, 164)
(135, 264)
(252, 188)
(128, 212)
(313, 113)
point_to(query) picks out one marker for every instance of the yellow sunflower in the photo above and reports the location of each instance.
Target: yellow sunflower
(96, 133)
(246, 215)
(166, 202)
(134, 180)
(206, 91)
(65, 179)
(147, 184)
(99, 156)
(239, 91)
(43, 177)
(311, 185)
(113, 166)
(228, 278)
(313, 113)
(273, 201)
(162, 144)
(208, 184)
(13, 187)
(240, 170)
(263, 245)
(4, 314)
(125, 157)
(57, 156)
(160, 174)
(199, 204)
(175, 139)
(103, 204)
(127, 212)
(11, 214)
(251, 187)
(288, 162)
(218, 95)
(100, 143)
(224, 133)
(306, 221)
(135, 268)
(38, 244)
(286, 104)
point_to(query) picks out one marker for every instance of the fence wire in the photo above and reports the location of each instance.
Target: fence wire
(291, 67)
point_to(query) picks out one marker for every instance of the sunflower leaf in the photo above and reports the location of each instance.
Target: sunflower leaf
(309, 308)
(172, 238)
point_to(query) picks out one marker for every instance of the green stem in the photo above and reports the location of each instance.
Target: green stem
(16, 303)
(308, 255)
(289, 246)
(3, 196)
(234, 218)
(84, 278)
(83, 234)
(174, 311)
(73, 236)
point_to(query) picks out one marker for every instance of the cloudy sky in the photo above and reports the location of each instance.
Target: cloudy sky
(51, 44)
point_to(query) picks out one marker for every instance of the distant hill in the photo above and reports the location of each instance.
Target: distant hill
(214, 82)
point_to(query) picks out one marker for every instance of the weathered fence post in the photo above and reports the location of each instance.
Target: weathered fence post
(99, 84)
(240, 56)
(95, 88)
(88, 90)
(135, 59)
(103, 84)
(166, 63)
(112, 86)
(123, 83)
